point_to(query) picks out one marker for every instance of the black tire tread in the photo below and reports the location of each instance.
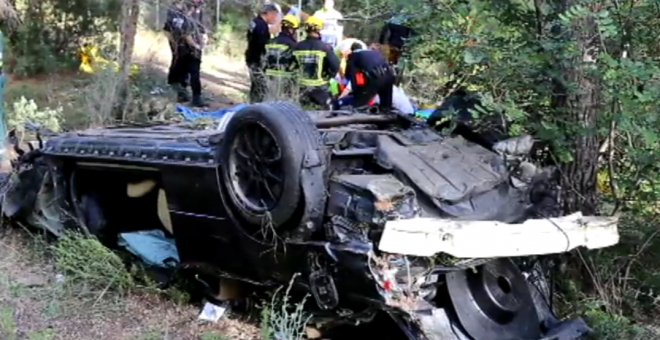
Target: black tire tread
(299, 124)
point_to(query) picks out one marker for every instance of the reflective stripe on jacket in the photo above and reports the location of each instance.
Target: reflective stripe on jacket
(279, 60)
(316, 62)
(311, 65)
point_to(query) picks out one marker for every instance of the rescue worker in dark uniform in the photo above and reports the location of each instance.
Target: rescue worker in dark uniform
(187, 33)
(370, 74)
(197, 15)
(258, 35)
(279, 58)
(316, 63)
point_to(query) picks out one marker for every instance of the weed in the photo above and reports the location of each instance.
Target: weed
(177, 295)
(91, 267)
(282, 320)
(7, 323)
(27, 111)
(615, 327)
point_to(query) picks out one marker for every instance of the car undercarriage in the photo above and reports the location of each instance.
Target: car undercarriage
(371, 214)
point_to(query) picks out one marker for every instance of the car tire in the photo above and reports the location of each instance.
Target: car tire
(297, 139)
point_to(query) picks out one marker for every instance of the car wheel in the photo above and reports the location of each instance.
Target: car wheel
(494, 302)
(263, 151)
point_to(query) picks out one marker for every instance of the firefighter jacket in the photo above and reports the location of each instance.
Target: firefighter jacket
(316, 62)
(279, 57)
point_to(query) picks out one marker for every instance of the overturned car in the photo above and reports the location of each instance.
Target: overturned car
(373, 214)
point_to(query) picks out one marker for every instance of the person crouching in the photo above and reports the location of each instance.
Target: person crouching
(370, 74)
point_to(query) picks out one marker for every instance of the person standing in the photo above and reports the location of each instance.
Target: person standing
(279, 59)
(258, 35)
(317, 63)
(188, 33)
(174, 22)
(198, 16)
(370, 74)
(333, 31)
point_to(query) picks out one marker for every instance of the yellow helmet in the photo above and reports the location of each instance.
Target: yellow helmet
(290, 20)
(314, 23)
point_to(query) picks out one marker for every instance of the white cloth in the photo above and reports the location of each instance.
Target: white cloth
(400, 100)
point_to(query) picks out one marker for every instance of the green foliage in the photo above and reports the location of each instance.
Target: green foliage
(229, 34)
(91, 267)
(615, 327)
(282, 319)
(51, 31)
(522, 58)
(26, 111)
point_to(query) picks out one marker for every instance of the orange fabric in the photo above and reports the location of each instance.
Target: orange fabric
(359, 79)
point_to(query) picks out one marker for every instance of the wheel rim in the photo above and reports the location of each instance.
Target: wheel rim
(494, 302)
(256, 169)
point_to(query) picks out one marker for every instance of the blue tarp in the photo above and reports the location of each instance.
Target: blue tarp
(152, 246)
(192, 114)
(424, 113)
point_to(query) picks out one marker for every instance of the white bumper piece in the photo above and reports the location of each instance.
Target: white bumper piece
(485, 239)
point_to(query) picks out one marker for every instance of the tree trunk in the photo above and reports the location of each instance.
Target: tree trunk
(130, 15)
(577, 99)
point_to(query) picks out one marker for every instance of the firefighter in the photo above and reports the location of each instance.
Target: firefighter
(317, 63)
(258, 36)
(369, 74)
(279, 59)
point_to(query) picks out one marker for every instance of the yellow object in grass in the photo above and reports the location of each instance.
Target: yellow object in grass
(90, 60)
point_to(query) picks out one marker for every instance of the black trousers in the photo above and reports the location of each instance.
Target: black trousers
(381, 85)
(316, 96)
(258, 83)
(186, 66)
(171, 74)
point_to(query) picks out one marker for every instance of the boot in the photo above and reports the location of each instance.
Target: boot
(182, 96)
(181, 93)
(197, 101)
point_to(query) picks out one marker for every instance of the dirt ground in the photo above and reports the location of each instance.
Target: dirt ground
(36, 305)
(224, 78)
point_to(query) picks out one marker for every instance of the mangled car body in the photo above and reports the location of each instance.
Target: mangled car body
(364, 207)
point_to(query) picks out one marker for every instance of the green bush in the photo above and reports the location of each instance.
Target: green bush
(26, 111)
